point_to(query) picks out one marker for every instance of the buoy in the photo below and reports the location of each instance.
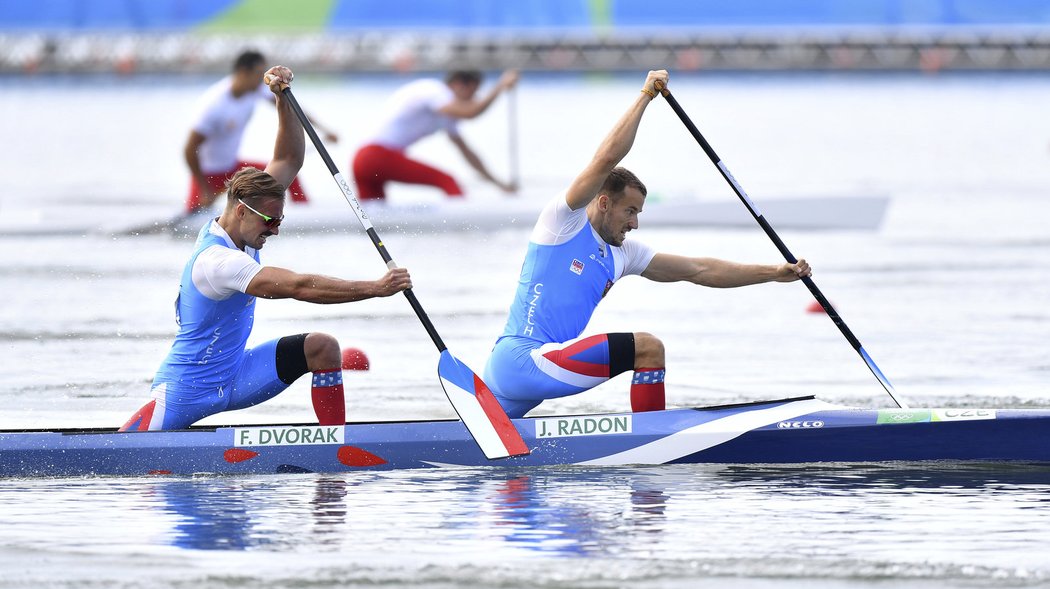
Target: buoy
(354, 359)
(813, 307)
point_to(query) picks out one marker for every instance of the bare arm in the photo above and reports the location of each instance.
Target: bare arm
(614, 148)
(191, 153)
(476, 163)
(278, 283)
(468, 109)
(721, 273)
(289, 149)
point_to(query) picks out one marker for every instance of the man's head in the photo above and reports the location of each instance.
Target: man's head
(248, 70)
(464, 83)
(254, 205)
(615, 210)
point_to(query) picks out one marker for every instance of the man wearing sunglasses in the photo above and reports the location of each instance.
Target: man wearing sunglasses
(209, 369)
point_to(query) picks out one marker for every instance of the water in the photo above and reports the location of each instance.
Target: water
(950, 297)
(672, 526)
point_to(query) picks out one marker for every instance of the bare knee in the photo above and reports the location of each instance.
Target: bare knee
(648, 351)
(322, 352)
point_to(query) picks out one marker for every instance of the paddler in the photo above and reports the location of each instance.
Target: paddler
(221, 117)
(209, 369)
(577, 251)
(415, 111)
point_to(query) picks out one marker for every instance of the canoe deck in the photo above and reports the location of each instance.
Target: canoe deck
(798, 430)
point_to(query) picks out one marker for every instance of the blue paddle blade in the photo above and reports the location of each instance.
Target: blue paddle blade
(479, 410)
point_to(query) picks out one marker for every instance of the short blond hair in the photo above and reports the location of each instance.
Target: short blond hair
(253, 185)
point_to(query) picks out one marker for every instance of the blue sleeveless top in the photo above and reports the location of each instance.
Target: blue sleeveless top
(561, 284)
(212, 334)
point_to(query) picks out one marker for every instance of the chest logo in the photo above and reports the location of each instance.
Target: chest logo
(576, 267)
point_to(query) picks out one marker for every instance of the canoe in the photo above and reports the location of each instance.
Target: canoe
(796, 430)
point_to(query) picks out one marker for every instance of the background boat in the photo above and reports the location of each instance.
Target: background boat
(432, 214)
(492, 214)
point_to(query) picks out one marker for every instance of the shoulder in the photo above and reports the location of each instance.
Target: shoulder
(636, 256)
(211, 102)
(219, 271)
(218, 251)
(434, 93)
(218, 258)
(558, 223)
(218, 92)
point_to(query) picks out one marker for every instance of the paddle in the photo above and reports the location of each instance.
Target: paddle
(739, 190)
(471, 398)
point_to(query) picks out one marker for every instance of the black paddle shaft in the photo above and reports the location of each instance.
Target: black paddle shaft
(819, 296)
(361, 215)
(739, 190)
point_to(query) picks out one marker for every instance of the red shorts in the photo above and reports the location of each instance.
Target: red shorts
(375, 165)
(217, 183)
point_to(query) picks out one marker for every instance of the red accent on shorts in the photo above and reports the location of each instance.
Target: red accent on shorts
(375, 165)
(563, 357)
(141, 419)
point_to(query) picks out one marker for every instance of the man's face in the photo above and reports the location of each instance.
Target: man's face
(248, 79)
(620, 216)
(464, 90)
(255, 229)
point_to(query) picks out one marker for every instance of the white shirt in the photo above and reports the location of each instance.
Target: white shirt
(222, 118)
(558, 224)
(219, 272)
(412, 113)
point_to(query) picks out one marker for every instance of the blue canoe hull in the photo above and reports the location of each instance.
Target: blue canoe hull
(774, 432)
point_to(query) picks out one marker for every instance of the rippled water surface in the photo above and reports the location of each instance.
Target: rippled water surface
(675, 526)
(951, 296)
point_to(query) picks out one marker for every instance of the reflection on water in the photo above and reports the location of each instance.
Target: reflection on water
(570, 510)
(246, 513)
(212, 517)
(981, 524)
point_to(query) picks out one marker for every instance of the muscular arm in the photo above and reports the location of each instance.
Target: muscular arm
(278, 283)
(613, 149)
(289, 149)
(720, 273)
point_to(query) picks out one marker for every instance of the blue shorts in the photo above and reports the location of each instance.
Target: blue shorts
(255, 381)
(522, 373)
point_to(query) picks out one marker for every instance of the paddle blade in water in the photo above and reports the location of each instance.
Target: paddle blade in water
(479, 410)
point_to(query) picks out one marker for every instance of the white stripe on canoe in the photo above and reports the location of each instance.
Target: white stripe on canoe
(710, 434)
